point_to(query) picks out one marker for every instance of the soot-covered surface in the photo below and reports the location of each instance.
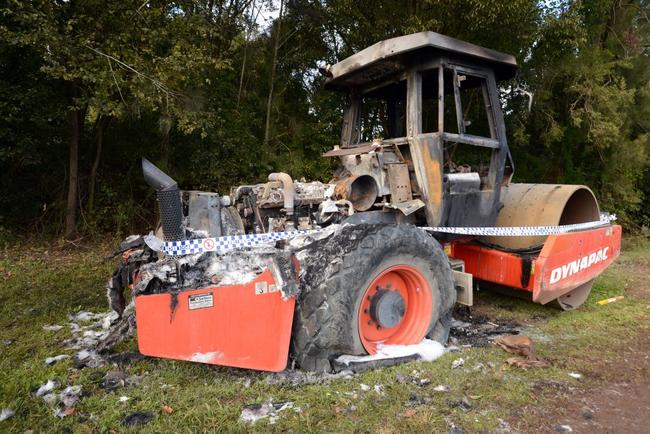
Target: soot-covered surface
(478, 330)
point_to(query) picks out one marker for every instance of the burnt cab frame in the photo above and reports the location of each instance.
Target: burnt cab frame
(452, 199)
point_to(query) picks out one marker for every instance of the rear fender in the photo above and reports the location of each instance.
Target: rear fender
(245, 326)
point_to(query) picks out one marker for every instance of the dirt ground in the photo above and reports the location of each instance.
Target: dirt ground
(621, 403)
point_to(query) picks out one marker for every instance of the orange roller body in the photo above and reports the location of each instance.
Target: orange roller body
(565, 262)
(244, 326)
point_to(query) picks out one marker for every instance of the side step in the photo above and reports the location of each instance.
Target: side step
(464, 282)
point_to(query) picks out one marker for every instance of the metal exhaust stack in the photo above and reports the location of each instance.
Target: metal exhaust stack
(169, 200)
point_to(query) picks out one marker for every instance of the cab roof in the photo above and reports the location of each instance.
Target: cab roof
(391, 56)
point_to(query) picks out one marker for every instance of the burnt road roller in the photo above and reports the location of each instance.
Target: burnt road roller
(420, 209)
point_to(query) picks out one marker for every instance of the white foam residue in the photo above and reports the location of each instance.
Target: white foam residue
(205, 357)
(428, 351)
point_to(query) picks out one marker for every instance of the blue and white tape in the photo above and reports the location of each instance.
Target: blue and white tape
(233, 242)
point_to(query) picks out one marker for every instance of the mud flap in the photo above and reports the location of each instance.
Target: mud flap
(244, 326)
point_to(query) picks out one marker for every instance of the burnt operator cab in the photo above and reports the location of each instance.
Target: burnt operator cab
(425, 107)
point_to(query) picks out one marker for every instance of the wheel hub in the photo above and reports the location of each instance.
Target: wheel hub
(387, 308)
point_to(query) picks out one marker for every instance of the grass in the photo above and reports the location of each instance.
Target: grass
(39, 287)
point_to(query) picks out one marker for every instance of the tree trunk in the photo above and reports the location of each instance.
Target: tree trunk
(269, 101)
(76, 126)
(102, 123)
(243, 65)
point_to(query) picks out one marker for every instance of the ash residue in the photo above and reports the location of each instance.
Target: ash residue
(478, 330)
(173, 274)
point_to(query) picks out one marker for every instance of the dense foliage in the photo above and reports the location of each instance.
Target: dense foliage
(215, 95)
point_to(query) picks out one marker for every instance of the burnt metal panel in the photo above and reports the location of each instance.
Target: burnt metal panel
(400, 183)
(426, 150)
(356, 150)
(395, 54)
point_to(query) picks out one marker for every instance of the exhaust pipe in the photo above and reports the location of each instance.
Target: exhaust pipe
(169, 200)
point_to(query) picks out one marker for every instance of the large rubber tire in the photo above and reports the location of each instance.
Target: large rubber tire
(337, 271)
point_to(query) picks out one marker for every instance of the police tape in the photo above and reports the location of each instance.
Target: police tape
(234, 242)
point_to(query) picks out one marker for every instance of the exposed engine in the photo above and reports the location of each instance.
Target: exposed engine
(284, 205)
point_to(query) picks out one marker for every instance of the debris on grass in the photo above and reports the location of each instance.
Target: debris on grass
(463, 404)
(415, 400)
(88, 358)
(125, 358)
(269, 409)
(575, 375)
(70, 396)
(52, 360)
(420, 382)
(523, 346)
(138, 418)
(47, 388)
(7, 342)
(6, 413)
(457, 363)
(102, 334)
(115, 379)
(63, 412)
(299, 378)
(364, 387)
(443, 388)
(563, 428)
(477, 331)
(379, 389)
(526, 363)
(123, 398)
(52, 327)
(516, 344)
(166, 409)
(610, 300)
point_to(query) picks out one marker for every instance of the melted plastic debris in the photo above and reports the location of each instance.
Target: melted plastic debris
(137, 419)
(426, 350)
(46, 388)
(88, 358)
(103, 333)
(254, 412)
(54, 359)
(70, 396)
(413, 379)
(6, 413)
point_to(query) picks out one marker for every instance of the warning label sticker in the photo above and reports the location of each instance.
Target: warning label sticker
(200, 301)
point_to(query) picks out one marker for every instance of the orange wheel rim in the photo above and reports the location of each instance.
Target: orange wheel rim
(416, 301)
